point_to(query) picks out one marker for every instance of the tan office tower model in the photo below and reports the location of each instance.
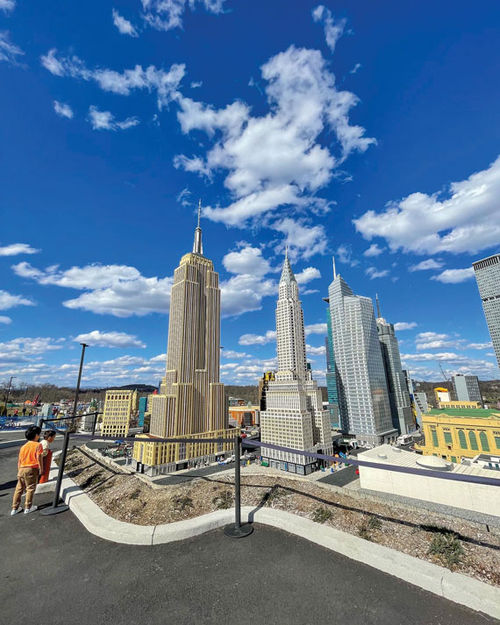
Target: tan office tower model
(294, 415)
(191, 401)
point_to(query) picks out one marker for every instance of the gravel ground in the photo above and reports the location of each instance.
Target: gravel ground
(128, 498)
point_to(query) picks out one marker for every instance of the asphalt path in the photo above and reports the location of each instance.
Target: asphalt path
(54, 572)
(340, 478)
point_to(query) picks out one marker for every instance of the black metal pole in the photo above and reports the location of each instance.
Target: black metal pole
(237, 530)
(95, 423)
(55, 508)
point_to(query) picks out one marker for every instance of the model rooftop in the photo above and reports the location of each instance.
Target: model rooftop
(478, 413)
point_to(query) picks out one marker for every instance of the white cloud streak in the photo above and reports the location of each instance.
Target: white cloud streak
(104, 120)
(168, 14)
(468, 220)
(17, 248)
(123, 25)
(96, 338)
(7, 300)
(9, 52)
(164, 83)
(454, 276)
(63, 110)
(333, 29)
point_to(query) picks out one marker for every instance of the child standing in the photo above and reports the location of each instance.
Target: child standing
(29, 467)
(48, 439)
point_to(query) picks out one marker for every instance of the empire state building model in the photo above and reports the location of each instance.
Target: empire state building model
(294, 415)
(191, 402)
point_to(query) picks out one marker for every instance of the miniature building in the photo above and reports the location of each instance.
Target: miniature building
(191, 402)
(119, 408)
(457, 434)
(244, 416)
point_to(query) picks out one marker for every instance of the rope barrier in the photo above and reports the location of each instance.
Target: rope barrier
(458, 477)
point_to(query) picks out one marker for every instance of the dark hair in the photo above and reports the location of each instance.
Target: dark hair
(48, 433)
(32, 431)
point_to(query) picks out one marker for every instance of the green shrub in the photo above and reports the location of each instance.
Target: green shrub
(374, 523)
(447, 548)
(320, 515)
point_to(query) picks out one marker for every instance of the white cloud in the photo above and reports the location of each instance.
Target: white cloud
(404, 325)
(124, 26)
(301, 238)
(23, 349)
(5, 320)
(344, 255)
(468, 220)
(316, 351)
(307, 274)
(315, 328)
(355, 68)
(8, 50)
(255, 339)
(63, 110)
(435, 340)
(248, 260)
(454, 276)
(373, 250)
(17, 248)
(373, 273)
(96, 338)
(487, 345)
(7, 5)
(164, 83)
(7, 300)
(333, 29)
(104, 120)
(243, 293)
(117, 290)
(229, 353)
(184, 197)
(280, 160)
(168, 14)
(424, 265)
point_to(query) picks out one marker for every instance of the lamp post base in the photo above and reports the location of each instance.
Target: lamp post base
(234, 531)
(54, 510)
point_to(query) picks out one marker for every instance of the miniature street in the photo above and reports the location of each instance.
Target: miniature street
(68, 575)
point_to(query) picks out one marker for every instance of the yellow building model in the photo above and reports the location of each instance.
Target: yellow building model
(460, 405)
(119, 407)
(457, 434)
(191, 402)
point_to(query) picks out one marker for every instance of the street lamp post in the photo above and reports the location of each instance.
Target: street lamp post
(55, 508)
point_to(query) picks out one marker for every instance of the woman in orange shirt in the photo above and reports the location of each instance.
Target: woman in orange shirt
(29, 467)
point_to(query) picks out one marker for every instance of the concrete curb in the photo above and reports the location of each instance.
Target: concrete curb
(456, 587)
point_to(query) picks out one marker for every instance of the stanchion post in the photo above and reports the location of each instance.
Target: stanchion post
(95, 423)
(55, 508)
(236, 529)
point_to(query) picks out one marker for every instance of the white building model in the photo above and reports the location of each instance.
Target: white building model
(294, 415)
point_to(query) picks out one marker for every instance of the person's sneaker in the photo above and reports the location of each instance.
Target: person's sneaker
(32, 509)
(15, 511)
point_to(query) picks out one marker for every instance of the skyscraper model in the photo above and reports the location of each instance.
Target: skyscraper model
(399, 397)
(191, 399)
(488, 281)
(362, 388)
(294, 415)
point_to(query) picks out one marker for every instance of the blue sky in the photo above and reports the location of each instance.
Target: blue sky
(362, 130)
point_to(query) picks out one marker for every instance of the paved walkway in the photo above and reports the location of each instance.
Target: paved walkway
(54, 572)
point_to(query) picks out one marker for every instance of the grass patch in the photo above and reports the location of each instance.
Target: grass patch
(447, 548)
(135, 494)
(223, 501)
(374, 523)
(320, 515)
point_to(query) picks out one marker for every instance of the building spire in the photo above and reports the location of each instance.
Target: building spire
(287, 274)
(334, 270)
(198, 243)
(378, 306)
